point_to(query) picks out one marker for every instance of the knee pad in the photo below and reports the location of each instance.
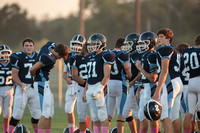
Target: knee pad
(34, 121)
(13, 122)
(130, 118)
(102, 114)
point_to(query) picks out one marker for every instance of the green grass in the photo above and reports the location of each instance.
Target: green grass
(59, 121)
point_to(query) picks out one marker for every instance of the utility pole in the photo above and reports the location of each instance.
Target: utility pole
(138, 16)
(60, 83)
(81, 18)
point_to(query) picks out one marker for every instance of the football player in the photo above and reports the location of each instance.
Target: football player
(117, 87)
(46, 59)
(79, 74)
(76, 45)
(169, 81)
(131, 105)
(192, 63)
(6, 85)
(147, 67)
(98, 68)
(24, 93)
(184, 77)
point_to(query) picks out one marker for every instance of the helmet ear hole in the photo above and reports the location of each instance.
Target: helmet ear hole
(153, 110)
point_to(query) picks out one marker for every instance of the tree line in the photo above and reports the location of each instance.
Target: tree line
(113, 18)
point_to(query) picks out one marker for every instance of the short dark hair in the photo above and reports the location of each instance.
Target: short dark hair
(62, 50)
(181, 47)
(197, 40)
(119, 42)
(166, 32)
(28, 40)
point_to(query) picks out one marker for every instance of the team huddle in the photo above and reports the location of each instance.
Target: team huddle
(145, 78)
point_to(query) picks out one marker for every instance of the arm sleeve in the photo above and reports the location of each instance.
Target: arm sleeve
(14, 60)
(46, 60)
(108, 57)
(123, 58)
(152, 62)
(165, 52)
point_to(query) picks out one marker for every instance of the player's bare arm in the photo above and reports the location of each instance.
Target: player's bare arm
(127, 70)
(162, 78)
(65, 76)
(138, 77)
(76, 77)
(106, 69)
(34, 68)
(84, 93)
(16, 78)
(150, 76)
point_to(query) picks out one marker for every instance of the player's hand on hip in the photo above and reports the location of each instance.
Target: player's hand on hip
(23, 88)
(138, 64)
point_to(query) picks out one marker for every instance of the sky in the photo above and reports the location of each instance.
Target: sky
(50, 9)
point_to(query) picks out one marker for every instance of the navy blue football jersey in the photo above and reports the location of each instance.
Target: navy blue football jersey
(117, 71)
(149, 64)
(191, 57)
(79, 63)
(184, 74)
(168, 51)
(23, 62)
(5, 74)
(69, 63)
(48, 60)
(95, 64)
(133, 58)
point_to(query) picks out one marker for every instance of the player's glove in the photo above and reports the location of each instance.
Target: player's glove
(98, 91)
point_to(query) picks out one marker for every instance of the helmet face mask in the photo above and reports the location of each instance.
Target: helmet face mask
(96, 42)
(130, 42)
(147, 41)
(127, 46)
(143, 46)
(5, 52)
(77, 42)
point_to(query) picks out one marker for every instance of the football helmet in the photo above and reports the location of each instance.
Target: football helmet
(198, 113)
(20, 128)
(96, 42)
(5, 56)
(130, 42)
(66, 130)
(152, 110)
(147, 41)
(113, 130)
(77, 39)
